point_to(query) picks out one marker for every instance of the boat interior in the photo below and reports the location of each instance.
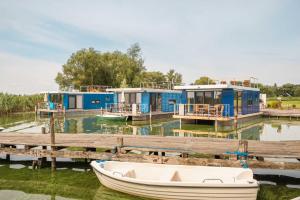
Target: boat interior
(179, 173)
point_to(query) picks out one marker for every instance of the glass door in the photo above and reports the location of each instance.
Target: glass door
(72, 102)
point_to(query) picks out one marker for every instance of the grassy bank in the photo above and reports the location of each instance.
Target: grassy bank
(286, 102)
(11, 103)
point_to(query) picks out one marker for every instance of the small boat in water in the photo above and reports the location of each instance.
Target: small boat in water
(113, 117)
(162, 181)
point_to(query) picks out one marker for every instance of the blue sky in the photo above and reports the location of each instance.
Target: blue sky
(220, 39)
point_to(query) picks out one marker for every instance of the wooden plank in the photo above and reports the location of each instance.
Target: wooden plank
(205, 145)
(148, 158)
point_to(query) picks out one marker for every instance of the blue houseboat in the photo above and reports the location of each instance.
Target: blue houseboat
(139, 103)
(75, 101)
(218, 102)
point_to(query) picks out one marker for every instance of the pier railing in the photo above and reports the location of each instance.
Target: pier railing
(205, 110)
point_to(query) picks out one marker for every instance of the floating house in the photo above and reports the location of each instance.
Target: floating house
(218, 102)
(141, 103)
(75, 101)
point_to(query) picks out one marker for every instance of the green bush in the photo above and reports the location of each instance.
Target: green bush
(276, 104)
(11, 103)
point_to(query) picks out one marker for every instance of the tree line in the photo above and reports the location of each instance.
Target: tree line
(285, 90)
(10, 103)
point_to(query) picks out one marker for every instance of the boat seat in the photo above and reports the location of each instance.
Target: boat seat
(130, 174)
(170, 176)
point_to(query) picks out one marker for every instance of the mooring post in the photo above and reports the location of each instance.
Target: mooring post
(120, 144)
(236, 123)
(216, 125)
(44, 159)
(180, 123)
(53, 159)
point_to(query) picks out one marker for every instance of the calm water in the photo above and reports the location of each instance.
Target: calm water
(265, 130)
(75, 180)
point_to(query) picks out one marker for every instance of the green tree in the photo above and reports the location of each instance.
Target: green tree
(153, 76)
(173, 77)
(297, 91)
(91, 67)
(204, 80)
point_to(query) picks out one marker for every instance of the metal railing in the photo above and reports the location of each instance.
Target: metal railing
(50, 106)
(94, 88)
(218, 110)
(126, 108)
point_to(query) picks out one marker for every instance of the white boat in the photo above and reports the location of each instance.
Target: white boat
(113, 117)
(162, 181)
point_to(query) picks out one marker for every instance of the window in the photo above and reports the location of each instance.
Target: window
(107, 98)
(191, 97)
(250, 101)
(208, 98)
(95, 101)
(199, 97)
(172, 101)
(218, 97)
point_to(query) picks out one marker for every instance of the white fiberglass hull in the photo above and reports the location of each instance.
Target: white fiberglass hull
(174, 189)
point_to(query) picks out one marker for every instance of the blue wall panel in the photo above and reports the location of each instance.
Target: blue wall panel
(168, 106)
(145, 102)
(66, 101)
(227, 98)
(183, 97)
(103, 98)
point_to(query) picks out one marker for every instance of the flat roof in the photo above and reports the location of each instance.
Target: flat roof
(72, 92)
(129, 90)
(212, 87)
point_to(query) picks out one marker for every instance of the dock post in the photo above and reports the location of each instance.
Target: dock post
(120, 142)
(180, 123)
(44, 159)
(216, 125)
(150, 116)
(53, 159)
(7, 157)
(236, 123)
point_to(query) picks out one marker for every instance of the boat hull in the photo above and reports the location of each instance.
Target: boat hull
(177, 192)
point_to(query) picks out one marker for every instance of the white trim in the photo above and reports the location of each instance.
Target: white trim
(128, 90)
(67, 92)
(217, 86)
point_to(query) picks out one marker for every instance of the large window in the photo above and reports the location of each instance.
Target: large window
(208, 98)
(130, 98)
(199, 97)
(218, 97)
(191, 97)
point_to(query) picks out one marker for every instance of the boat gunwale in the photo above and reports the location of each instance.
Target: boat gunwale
(255, 183)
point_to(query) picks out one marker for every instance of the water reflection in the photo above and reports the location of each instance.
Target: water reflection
(266, 130)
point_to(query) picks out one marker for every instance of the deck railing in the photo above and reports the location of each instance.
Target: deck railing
(126, 108)
(218, 110)
(50, 106)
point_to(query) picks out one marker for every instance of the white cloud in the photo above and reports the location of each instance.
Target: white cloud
(22, 75)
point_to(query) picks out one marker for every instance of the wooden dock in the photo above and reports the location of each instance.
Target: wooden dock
(126, 143)
(291, 113)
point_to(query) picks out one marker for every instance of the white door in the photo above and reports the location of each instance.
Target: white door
(79, 101)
